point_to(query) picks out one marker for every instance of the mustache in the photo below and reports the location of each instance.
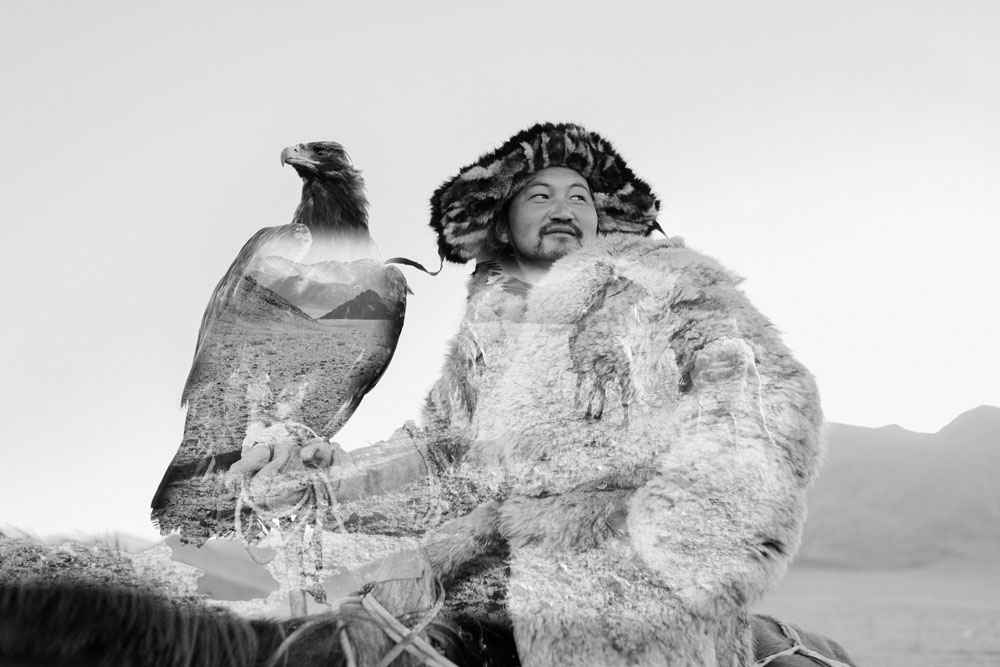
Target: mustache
(561, 226)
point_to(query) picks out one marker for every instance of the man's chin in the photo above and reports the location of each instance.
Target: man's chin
(557, 246)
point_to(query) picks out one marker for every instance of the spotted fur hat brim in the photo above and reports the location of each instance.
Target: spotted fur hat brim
(464, 208)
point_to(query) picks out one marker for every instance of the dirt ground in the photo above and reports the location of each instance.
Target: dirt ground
(944, 616)
(332, 359)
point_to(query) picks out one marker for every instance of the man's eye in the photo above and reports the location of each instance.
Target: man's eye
(539, 195)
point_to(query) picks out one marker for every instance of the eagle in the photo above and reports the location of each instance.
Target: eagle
(299, 329)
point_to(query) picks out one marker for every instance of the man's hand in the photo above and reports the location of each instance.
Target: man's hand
(320, 453)
(278, 462)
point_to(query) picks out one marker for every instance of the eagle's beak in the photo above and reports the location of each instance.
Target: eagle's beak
(297, 155)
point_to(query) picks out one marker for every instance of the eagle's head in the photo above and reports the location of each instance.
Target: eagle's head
(324, 160)
(333, 192)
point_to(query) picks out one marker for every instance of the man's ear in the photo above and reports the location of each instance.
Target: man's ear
(500, 232)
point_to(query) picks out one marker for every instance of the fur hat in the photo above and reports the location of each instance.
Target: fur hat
(464, 208)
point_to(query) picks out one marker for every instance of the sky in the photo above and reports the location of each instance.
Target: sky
(843, 157)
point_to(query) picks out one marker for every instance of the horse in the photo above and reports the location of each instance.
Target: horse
(75, 624)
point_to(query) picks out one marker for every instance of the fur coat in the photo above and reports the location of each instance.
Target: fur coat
(622, 454)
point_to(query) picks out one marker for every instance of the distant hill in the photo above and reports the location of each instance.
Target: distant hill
(310, 295)
(255, 303)
(888, 497)
(366, 306)
(321, 286)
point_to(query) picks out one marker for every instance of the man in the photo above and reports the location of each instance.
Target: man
(631, 531)
(559, 192)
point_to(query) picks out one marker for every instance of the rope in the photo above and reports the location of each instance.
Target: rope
(410, 637)
(797, 647)
(345, 645)
(318, 500)
(282, 650)
(417, 646)
(240, 535)
(406, 639)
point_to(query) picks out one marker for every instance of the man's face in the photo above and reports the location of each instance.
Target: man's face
(552, 216)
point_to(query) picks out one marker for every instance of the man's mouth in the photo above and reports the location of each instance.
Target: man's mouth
(561, 228)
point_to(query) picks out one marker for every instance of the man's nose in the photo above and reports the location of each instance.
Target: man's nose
(561, 210)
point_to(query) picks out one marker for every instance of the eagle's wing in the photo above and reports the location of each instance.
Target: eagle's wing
(227, 381)
(282, 345)
(259, 245)
(370, 365)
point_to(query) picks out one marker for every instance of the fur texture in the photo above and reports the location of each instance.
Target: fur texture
(641, 441)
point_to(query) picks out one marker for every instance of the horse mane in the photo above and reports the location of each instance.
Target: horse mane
(83, 625)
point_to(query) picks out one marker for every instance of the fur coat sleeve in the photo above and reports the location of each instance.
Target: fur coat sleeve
(639, 437)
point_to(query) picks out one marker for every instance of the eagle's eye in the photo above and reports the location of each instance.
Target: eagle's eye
(320, 150)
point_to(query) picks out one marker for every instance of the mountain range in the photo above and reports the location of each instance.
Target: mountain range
(319, 287)
(253, 302)
(891, 498)
(366, 306)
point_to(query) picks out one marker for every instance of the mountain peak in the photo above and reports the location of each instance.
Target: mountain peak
(367, 305)
(888, 497)
(977, 423)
